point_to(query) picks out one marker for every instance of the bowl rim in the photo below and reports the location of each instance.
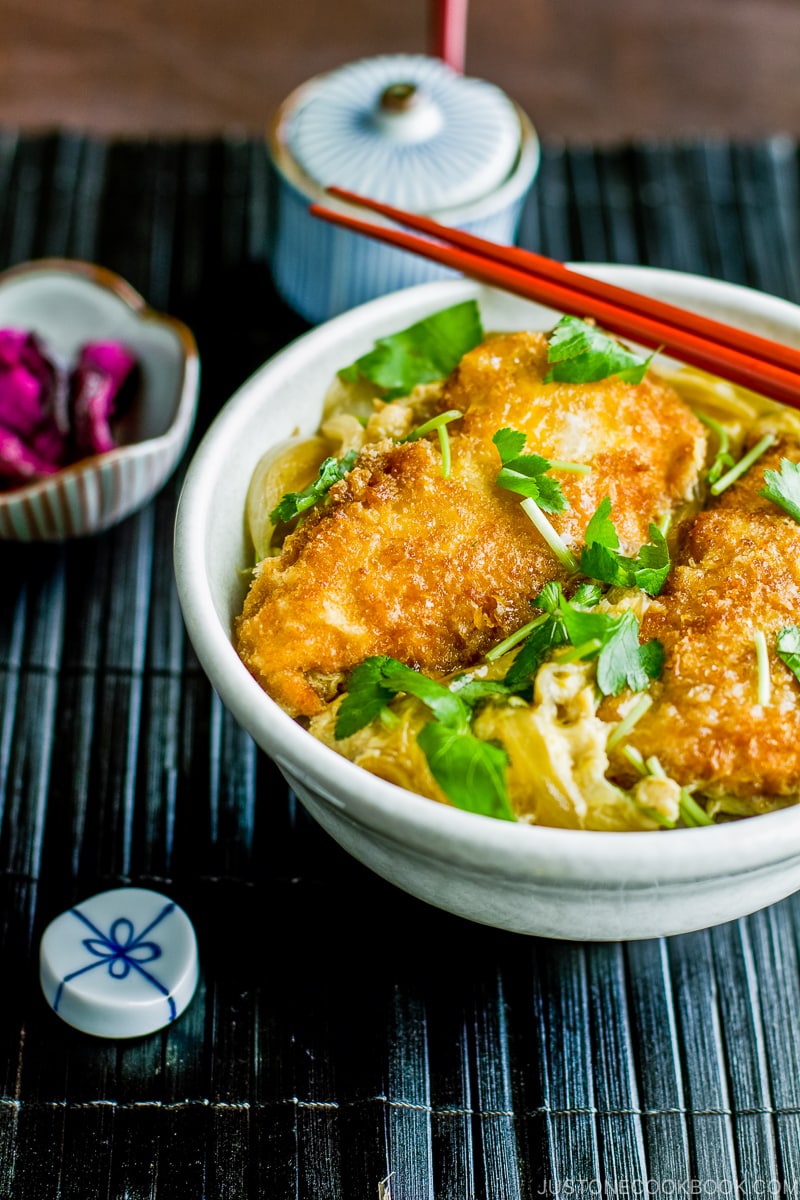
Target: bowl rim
(504, 850)
(109, 281)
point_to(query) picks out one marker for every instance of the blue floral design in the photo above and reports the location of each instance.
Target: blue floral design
(121, 951)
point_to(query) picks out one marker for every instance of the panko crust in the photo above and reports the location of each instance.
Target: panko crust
(435, 571)
(739, 571)
(644, 445)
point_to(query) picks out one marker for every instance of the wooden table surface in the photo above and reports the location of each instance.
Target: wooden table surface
(585, 70)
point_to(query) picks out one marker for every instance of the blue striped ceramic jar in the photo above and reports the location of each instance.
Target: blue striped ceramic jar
(404, 129)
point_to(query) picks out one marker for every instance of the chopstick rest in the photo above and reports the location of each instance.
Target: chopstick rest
(121, 964)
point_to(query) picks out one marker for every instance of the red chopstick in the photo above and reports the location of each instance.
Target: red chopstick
(758, 363)
(449, 32)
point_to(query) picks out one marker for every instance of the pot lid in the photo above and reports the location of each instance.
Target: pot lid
(404, 129)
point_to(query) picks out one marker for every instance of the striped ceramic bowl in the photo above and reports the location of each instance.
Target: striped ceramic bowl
(67, 303)
(405, 129)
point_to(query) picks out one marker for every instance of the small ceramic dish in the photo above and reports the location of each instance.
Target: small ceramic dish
(68, 303)
(566, 883)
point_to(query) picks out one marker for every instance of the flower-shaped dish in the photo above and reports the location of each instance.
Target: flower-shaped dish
(67, 303)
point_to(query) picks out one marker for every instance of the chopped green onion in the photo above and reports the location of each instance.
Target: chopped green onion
(634, 758)
(628, 721)
(718, 428)
(553, 539)
(437, 422)
(691, 812)
(576, 468)
(655, 767)
(444, 443)
(576, 653)
(744, 464)
(658, 817)
(513, 638)
(762, 659)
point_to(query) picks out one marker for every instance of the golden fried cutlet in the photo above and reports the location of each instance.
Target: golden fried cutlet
(434, 571)
(643, 444)
(739, 571)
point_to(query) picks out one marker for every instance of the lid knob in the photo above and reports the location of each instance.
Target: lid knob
(406, 113)
(399, 97)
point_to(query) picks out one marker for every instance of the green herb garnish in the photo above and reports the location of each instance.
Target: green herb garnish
(330, 472)
(423, 353)
(787, 646)
(435, 424)
(692, 814)
(632, 717)
(525, 473)
(600, 558)
(783, 487)
(744, 464)
(470, 771)
(622, 661)
(582, 354)
(723, 458)
(439, 425)
(375, 681)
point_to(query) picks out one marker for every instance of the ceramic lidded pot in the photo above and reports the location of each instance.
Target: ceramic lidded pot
(404, 129)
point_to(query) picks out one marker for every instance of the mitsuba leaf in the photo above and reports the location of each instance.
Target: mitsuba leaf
(510, 443)
(550, 634)
(426, 351)
(600, 557)
(330, 472)
(652, 564)
(473, 691)
(601, 530)
(586, 596)
(364, 700)
(470, 772)
(535, 650)
(783, 487)
(376, 680)
(787, 645)
(524, 474)
(624, 661)
(599, 562)
(581, 353)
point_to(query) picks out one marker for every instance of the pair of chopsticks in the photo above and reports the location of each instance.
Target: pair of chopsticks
(754, 362)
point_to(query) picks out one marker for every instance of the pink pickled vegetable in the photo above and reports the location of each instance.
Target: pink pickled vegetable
(19, 463)
(98, 381)
(32, 407)
(51, 416)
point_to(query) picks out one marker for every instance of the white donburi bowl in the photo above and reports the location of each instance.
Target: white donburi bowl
(68, 303)
(552, 882)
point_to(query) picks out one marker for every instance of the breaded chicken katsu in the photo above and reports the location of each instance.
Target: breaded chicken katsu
(738, 573)
(435, 570)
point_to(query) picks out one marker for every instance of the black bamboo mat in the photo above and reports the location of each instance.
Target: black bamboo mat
(346, 1042)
